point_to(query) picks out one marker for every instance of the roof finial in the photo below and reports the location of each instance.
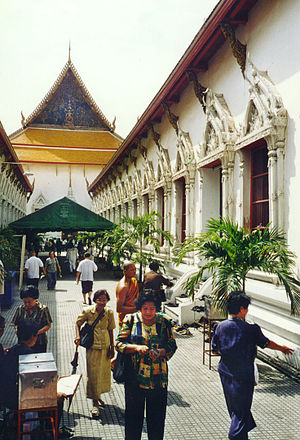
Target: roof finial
(69, 60)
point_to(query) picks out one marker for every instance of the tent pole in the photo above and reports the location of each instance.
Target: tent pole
(22, 260)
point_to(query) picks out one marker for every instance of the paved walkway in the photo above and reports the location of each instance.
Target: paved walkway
(196, 406)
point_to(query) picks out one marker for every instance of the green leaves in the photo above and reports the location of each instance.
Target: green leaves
(145, 231)
(229, 252)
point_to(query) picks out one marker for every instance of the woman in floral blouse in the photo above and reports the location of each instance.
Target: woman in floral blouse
(148, 337)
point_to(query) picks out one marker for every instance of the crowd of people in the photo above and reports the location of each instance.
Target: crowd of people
(146, 339)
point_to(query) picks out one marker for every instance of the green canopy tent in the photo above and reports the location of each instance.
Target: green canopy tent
(62, 215)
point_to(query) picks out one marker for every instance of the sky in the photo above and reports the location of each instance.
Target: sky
(123, 51)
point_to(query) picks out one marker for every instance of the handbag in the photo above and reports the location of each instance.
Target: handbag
(122, 363)
(87, 333)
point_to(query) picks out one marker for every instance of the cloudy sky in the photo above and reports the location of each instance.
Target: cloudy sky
(123, 51)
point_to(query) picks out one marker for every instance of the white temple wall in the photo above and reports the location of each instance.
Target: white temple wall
(52, 182)
(272, 34)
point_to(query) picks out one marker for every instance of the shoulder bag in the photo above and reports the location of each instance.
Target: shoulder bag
(87, 332)
(122, 363)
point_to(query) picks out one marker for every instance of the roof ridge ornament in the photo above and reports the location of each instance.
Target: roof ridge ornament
(69, 58)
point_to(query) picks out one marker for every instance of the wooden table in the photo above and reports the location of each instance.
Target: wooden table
(208, 324)
(50, 414)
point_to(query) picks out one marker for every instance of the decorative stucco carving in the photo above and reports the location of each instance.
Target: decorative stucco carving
(173, 119)
(163, 154)
(199, 90)
(220, 132)
(39, 202)
(265, 114)
(239, 50)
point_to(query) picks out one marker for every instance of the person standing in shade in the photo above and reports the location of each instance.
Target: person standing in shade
(153, 280)
(236, 341)
(85, 271)
(52, 266)
(33, 310)
(32, 269)
(127, 291)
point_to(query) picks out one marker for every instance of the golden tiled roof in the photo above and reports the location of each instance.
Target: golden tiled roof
(62, 156)
(66, 138)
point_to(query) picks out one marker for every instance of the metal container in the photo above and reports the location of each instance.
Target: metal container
(36, 358)
(37, 385)
(210, 311)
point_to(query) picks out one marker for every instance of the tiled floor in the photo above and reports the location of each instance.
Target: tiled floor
(196, 406)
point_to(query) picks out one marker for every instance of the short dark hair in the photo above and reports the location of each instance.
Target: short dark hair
(154, 266)
(100, 293)
(87, 255)
(26, 329)
(29, 292)
(147, 296)
(237, 299)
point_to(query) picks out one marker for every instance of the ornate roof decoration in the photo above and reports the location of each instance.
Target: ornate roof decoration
(68, 104)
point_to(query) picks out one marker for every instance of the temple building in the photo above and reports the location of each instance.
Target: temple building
(65, 142)
(220, 139)
(15, 188)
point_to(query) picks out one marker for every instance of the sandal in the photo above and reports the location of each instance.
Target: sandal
(65, 432)
(95, 412)
(101, 403)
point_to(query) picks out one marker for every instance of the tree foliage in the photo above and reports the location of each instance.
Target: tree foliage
(144, 231)
(229, 252)
(10, 249)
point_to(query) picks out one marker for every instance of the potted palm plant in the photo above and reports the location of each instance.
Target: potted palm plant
(228, 252)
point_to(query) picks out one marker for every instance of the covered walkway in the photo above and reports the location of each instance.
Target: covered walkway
(196, 406)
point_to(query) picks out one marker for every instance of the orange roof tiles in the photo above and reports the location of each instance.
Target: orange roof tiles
(66, 138)
(62, 156)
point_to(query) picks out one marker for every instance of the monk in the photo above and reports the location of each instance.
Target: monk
(127, 292)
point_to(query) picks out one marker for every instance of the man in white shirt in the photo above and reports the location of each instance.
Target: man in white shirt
(32, 269)
(85, 270)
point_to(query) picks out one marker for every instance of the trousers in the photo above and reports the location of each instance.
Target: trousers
(51, 280)
(156, 403)
(238, 396)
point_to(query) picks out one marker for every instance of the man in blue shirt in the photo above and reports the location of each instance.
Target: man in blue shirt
(236, 341)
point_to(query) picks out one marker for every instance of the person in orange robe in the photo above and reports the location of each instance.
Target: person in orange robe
(127, 291)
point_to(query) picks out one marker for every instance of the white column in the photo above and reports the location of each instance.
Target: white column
(225, 191)
(272, 165)
(280, 181)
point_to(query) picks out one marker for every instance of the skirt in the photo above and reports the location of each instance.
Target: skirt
(98, 373)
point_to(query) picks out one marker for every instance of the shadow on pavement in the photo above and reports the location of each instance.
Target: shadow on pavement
(176, 399)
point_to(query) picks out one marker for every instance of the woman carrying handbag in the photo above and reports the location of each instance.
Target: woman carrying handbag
(99, 355)
(147, 339)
